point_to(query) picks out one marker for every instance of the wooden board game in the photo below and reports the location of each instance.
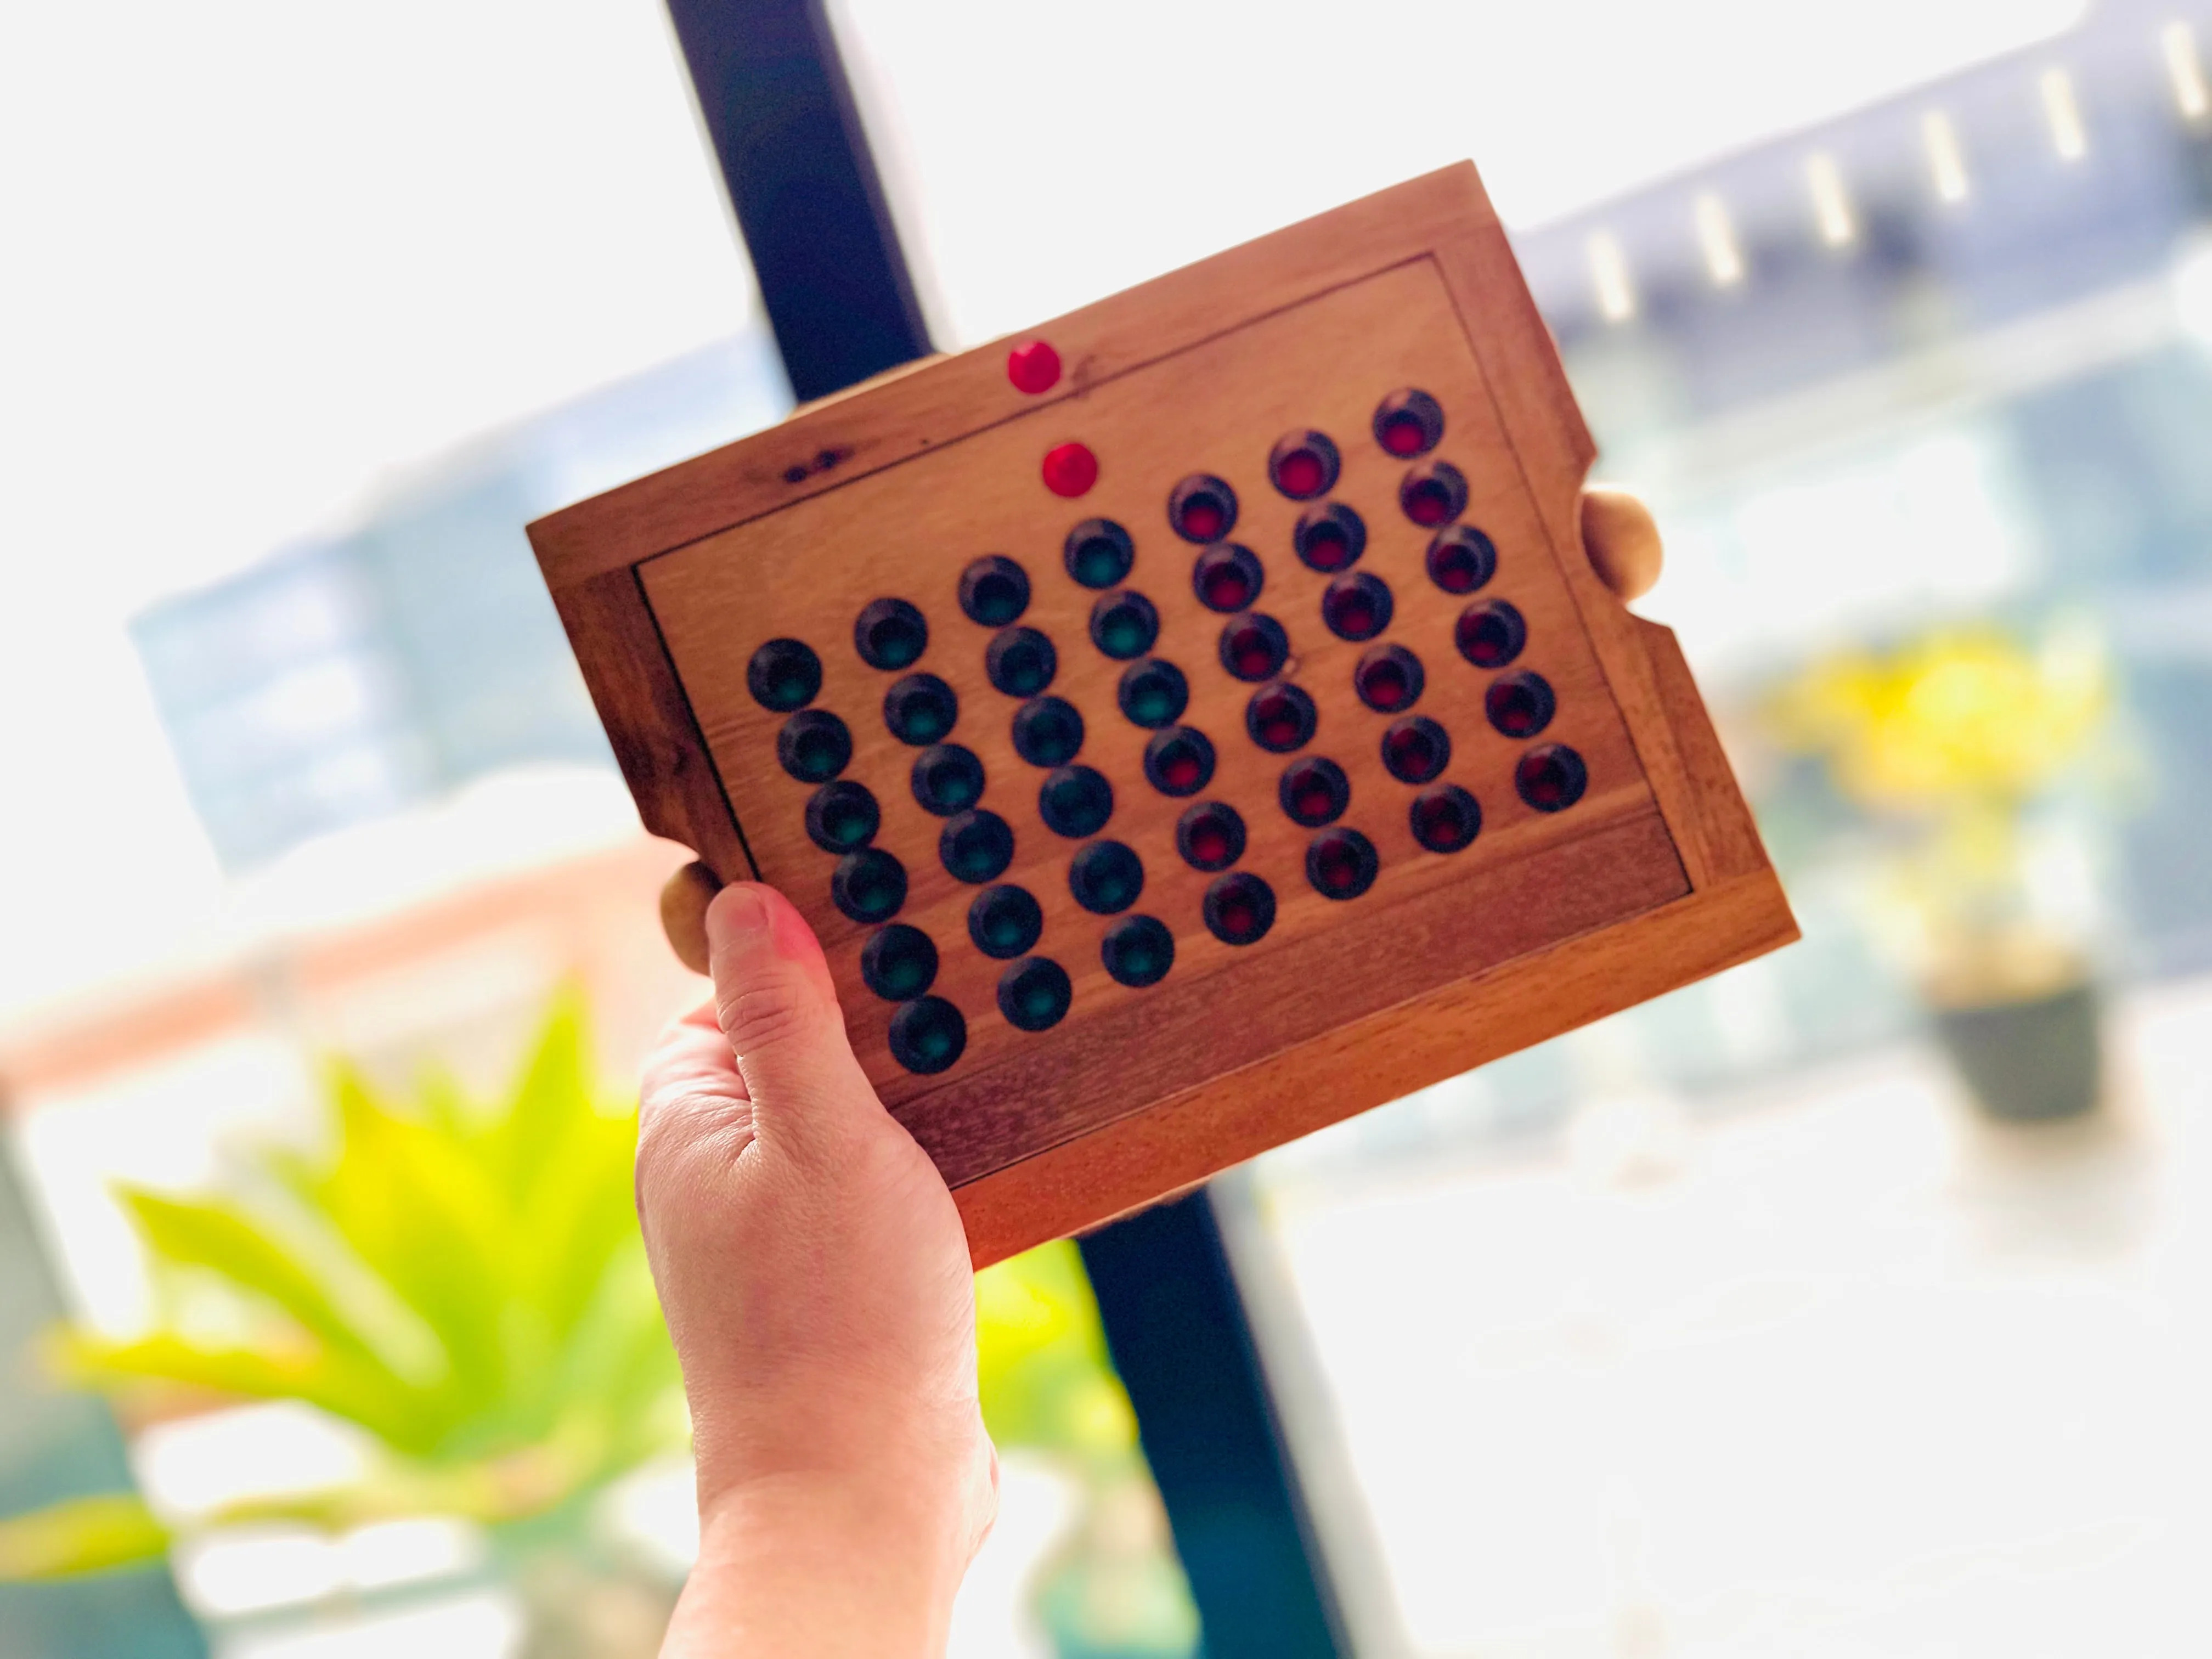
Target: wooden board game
(1192, 725)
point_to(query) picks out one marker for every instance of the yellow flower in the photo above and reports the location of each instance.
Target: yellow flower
(1948, 720)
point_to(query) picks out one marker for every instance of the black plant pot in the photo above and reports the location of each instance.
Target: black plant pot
(2037, 1059)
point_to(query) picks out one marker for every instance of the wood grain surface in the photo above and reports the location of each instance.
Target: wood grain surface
(1655, 878)
(1369, 1061)
(913, 409)
(1378, 956)
(649, 721)
(1180, 1141)
(1219, 408)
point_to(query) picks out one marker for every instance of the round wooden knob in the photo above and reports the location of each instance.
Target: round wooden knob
(684, 903)
(1621, 540)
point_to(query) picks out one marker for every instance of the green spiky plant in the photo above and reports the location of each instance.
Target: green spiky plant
(466, 1283)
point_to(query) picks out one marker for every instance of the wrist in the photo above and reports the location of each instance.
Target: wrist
(826, 1562)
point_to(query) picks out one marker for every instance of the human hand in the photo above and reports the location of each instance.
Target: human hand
(1619, 536)
(816, 1280)
(815, 1276)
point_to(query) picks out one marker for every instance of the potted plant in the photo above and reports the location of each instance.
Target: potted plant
(1948, 742)
(464, 1285)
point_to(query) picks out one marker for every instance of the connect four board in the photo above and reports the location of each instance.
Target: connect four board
(1185, 724)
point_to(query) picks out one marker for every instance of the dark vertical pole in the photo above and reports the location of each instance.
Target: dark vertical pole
(1177, 1327)
(813, 213)
(840, 297)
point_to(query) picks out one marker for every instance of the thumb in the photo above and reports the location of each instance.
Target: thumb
(778, 1008)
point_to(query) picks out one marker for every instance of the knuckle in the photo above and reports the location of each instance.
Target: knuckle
(771, 1011)
(674, 1129)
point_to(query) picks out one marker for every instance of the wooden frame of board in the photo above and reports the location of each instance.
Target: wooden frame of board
(1659, 881)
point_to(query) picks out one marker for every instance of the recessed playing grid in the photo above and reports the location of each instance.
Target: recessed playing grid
(927, 1033)
(1067, 724)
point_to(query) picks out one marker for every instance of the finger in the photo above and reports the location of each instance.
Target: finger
(695, 1119)
(684, 903)
(1622, 541)
(690, 1061)
(778, 1010)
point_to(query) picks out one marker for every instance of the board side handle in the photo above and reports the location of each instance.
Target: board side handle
(684, 901)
